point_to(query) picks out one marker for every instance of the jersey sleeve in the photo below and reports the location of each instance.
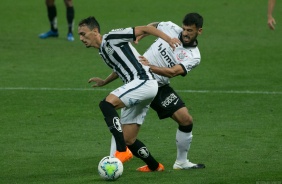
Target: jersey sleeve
(122, 34)
(169, 28)
(189, 64)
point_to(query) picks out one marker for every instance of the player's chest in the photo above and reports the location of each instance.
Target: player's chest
(176, 56)
(181, 54)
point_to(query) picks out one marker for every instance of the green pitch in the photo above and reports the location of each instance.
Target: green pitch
(52, 130)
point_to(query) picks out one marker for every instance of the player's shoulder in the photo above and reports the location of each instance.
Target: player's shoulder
(118, 33)
(165, 23)
(195, 51)
(119, 30)
(191, 49)
(169, 24)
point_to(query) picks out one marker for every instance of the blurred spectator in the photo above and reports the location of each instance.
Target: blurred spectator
(52, 16)
(270, 20)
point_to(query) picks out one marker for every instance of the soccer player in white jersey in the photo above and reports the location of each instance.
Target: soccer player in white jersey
(167, 63)
(139, 88)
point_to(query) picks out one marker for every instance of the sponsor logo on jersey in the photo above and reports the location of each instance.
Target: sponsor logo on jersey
(169, 100)
(117, 124)
(143, 152)
(176, 101)
(166, 57)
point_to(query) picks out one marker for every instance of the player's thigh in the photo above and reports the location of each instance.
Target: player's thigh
(68, 3)
(166, 102)
(50, 2)
(135, 114)
(136, 92)
(182, 117)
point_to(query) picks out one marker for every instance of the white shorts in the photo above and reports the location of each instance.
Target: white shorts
(137, 97)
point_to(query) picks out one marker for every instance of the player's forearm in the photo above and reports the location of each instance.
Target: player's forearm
(167, 72)
(113, 76)
(153, 24)
(271, 4)
(143, 30)
(151, 30)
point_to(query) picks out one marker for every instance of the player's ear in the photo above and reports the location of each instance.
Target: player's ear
(95, 31)
(200, 30)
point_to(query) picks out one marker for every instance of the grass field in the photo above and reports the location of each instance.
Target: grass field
(52, 130)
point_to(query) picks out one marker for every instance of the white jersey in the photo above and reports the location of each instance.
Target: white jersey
(122, 57)
(161, 54)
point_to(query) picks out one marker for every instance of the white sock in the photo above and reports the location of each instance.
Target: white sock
(183, 142)
(113, 147)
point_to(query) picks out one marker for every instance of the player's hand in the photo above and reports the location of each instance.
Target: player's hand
(138, 38)
(271, 22)
(143, 60)
(174, 42)
(99, 82)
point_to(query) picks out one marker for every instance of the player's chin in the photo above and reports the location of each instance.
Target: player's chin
(186, 42)
(86, 45)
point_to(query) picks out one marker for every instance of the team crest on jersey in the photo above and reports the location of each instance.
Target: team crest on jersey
(109, 50)
(133, 101)
(181, 56)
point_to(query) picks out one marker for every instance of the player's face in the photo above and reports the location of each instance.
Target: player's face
(87, 36)
(190, 33)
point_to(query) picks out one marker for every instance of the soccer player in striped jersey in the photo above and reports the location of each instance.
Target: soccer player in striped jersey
(139, 88)
(167, 63)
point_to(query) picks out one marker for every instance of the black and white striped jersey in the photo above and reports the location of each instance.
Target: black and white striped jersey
(119, 54)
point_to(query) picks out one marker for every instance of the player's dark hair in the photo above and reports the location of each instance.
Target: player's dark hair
(193, 18)
(90, 22)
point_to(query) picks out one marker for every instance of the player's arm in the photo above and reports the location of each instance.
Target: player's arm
(151, 30)
(168, 72)
(100, 82)
(164, 71)
(154, 24)
(138, 38)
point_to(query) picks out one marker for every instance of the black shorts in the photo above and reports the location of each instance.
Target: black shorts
(166, 102)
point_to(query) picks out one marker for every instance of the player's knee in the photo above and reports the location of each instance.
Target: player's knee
(189, 120)
(186, 120)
